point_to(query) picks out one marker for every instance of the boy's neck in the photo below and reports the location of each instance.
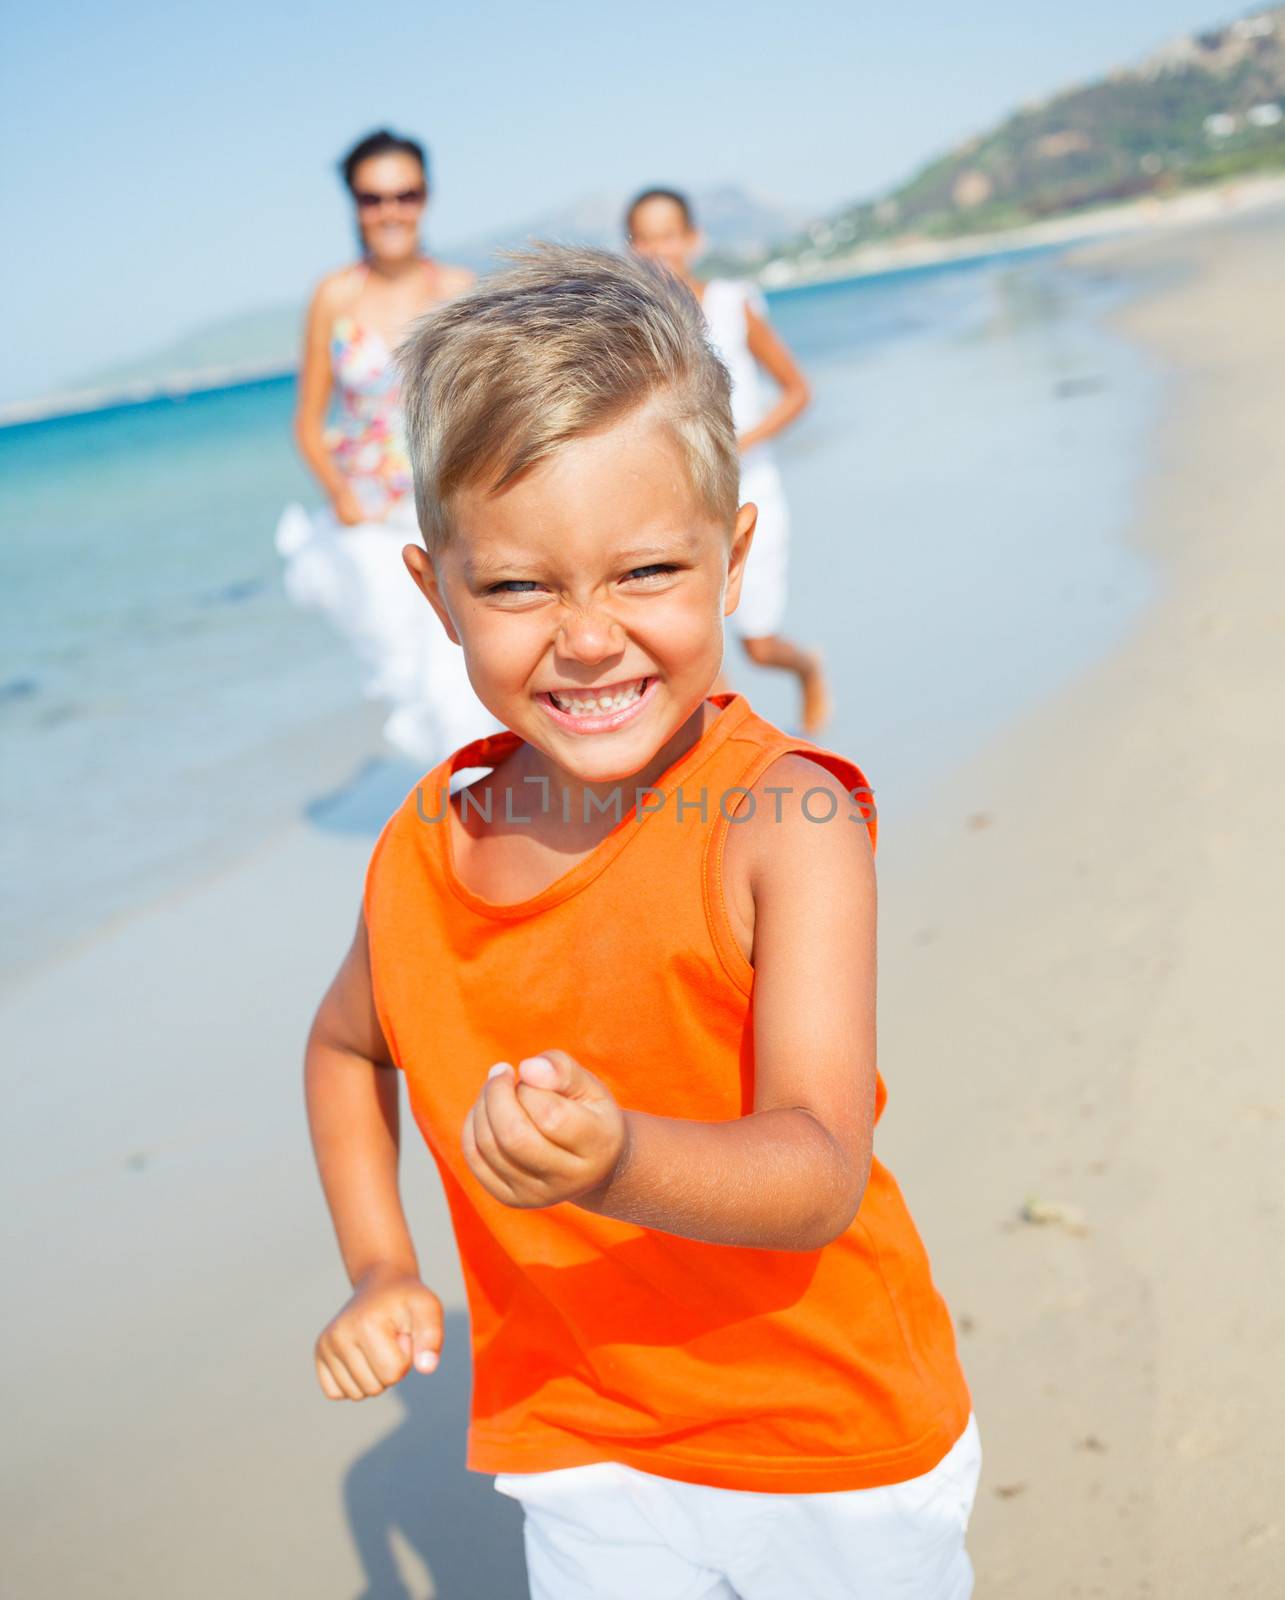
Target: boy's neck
(529, 763)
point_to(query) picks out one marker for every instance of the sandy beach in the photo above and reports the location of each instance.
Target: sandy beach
(1078, 1029)
(1079, 1011)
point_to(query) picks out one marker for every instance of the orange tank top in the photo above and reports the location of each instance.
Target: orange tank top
(595, 1340)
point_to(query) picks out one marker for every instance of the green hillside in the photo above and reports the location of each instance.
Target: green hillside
(1207, 106)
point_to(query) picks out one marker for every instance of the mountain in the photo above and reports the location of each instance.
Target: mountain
(738, 225)
(266, 340)
(1204, 107)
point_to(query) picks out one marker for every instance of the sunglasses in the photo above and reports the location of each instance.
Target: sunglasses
(368, 200)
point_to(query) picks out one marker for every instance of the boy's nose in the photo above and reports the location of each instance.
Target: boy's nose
(589, 636)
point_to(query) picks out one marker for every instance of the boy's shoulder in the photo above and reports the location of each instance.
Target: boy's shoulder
(805, 834)
(789, 767)
(799, 795)
(425, 808)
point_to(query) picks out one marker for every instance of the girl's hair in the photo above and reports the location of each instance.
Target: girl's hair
(382, 143)
(672, 195)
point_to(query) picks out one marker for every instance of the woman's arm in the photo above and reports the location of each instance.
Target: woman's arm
(315, 383)
(773, 354)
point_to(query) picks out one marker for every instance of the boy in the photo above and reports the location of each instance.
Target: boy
(629, 975)
(659, 224)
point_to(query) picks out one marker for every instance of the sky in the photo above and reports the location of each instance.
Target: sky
(170, 164)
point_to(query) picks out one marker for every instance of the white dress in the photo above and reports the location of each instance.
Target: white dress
(355, 576)
(761, 612)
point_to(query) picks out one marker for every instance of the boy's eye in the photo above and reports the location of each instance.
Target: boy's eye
(514, 586)
(654, 572)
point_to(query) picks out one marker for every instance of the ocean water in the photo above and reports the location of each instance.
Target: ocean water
(959, 491)
(960, 494)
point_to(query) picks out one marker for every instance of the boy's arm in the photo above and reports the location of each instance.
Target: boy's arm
(392, 1320)
(789, 1176)
(774, 356)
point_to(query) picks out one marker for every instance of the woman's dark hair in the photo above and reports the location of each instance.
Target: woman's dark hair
(672, 195)
(382, 143)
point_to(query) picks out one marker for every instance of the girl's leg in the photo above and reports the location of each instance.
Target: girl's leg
(761, 611)
(775, 651)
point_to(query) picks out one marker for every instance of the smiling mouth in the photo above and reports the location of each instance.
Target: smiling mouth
(598, 702)
(606, 709)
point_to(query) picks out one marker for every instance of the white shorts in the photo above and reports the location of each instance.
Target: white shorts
(609, 1532)
(761, 612)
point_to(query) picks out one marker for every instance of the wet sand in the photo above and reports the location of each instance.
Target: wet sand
(1079, 1010)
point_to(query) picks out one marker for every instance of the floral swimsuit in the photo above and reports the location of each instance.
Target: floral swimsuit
(368, 439)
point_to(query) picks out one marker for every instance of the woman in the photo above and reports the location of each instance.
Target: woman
(346, 561)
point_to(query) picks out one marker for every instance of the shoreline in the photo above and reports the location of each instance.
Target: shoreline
(1189, 208)
(211, 812)
(99, 400)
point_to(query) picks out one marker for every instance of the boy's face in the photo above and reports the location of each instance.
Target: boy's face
(596, 577)
(659, 230)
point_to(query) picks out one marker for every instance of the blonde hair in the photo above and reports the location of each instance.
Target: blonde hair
(563, 343)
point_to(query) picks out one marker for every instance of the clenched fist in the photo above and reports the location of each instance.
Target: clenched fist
(548, 1132)
(391, 1323)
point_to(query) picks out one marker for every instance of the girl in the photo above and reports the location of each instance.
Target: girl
(660, 224)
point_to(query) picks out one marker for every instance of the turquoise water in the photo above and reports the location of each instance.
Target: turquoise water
(958, 494)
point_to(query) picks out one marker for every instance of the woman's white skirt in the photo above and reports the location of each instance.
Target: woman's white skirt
(355, 576)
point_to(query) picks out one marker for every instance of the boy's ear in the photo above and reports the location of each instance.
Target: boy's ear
(421, 569)
(742, 538)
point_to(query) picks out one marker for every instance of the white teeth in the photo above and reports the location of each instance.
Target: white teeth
(594, 704)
